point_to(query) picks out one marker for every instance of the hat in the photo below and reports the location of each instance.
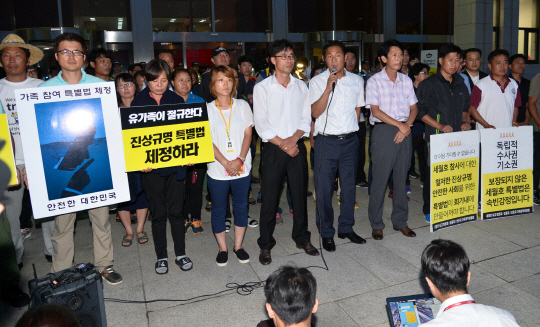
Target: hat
(219, 50)
(13, 40)
(365, 62)
(195, 63)
(116, 62)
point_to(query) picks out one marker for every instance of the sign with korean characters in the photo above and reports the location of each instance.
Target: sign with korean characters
(72, 145)
(430, 58)
(6, 152)
(166, 135)
(507, 171)
(454, 178)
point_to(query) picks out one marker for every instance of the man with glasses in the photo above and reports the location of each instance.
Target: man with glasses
(336, 98)
(282, 118)
(220, 57)
(70, 50)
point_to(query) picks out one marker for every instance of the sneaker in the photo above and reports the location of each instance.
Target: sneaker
(184, 263)
(227, 224)
(242, 255)
(208, 206)
(259, 198)
(414, 175)
(408, 188)
(279, 220)
(252, 201)
(187, 225)
(362, 184)
(111, 276)
(196, 226)
(222, 258)
(26, 233)
(162, 266)
(252, 222)
(428, 218)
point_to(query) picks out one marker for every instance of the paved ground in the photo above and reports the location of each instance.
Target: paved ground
(505, 272)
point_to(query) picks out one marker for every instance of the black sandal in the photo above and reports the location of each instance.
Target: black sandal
(162, 267)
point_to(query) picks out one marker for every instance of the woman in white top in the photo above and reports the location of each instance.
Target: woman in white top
(231, 121)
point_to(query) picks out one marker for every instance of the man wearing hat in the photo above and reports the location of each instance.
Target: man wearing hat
(195, 66)
(15, 56)
(220, 57)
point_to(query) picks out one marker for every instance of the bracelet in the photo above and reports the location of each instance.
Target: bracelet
(243, 159)
(240, 160)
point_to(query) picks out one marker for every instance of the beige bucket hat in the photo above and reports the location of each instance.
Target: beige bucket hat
(13, 40)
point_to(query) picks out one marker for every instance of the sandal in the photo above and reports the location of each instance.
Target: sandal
(142, 238)
(126, 241)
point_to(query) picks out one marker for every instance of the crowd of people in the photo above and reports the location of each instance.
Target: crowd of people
(402, 103)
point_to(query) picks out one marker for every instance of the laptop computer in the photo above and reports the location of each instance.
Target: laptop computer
(411, 310)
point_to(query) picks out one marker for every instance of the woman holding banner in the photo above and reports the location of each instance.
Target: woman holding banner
(231, 121)
(165, 186)
(126, 91)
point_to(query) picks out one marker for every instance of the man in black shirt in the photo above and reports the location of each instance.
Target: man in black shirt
(443, 104)
(517, 67)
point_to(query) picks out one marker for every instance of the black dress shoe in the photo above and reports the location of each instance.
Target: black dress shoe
(48, 257)
(265, 258)
(328, 244)
(308, 248)
(353, 237)
(377, 234)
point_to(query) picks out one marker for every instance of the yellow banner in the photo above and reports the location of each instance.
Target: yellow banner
(507, 193)
(6, 154)
(167, 145)
(454, 192)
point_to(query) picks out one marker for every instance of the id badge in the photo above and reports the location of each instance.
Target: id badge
(230, 146)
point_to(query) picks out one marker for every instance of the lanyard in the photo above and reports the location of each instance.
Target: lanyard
(458, 304)
(227, 128)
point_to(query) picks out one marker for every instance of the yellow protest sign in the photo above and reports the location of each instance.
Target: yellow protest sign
(6, 153)
(454, 178)
(166, 136)
(507, 178)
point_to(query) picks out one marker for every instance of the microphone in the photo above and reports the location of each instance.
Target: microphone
(334, 70)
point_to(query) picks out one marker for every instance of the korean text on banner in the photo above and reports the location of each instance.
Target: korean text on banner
(454, 178)
(166, 135)
(507, 178)
(72, 143)
(6, 153)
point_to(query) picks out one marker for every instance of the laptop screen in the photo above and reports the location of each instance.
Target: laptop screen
(413, 310)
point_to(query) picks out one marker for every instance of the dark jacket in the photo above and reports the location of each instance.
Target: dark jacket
(438, 97)
(169, 97)
(480, 73)
(204, 90)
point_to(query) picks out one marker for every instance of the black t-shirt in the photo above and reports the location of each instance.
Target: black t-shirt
(524, 87)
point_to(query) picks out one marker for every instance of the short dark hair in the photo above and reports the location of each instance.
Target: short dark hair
(350, 50)
(280, 45)
(178, 71)
(472, 50)
(416, 69)
(132, 67)
(446, 264)
(49, 315)
(70, 37)
(514, 57)
(165, 51)
(126, 77)
(448, 49)
(140, 72)
(244, 58)
(99, 52)
(333, 44)
(292, 293)
(154, 68)
(497, 52)
(384, 49)
(315, 67)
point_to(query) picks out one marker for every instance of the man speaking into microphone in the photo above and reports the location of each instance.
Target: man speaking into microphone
(336, 97)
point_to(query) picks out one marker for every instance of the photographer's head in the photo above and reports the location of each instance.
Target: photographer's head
(291, 296)
(446, 268)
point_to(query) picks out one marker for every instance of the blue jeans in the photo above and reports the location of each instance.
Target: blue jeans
(219, 191)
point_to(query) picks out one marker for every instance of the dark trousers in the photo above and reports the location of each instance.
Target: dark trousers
(389, 157)
(165, 198)
(426, 191)
(220, 190)
(277, 164)
(418, 146)
(193, 199)
(331, 156)
(536, 160)
(26, 210)
(360, 173)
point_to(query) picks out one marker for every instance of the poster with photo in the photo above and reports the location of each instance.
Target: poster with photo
(72, 143)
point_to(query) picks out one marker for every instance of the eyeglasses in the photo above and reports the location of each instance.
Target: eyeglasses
(125, 85)
(284, 57)
(76, 53)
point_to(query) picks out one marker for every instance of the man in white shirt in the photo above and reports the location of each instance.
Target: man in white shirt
(15, 55)
(336, 97)
(282, 116)
(445, 266)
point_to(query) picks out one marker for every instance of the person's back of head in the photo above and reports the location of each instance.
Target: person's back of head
(291, 295)
(49, 315)
(446, 265)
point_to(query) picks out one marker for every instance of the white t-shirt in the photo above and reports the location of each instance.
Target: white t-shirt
(7, 97)
(242, 118)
